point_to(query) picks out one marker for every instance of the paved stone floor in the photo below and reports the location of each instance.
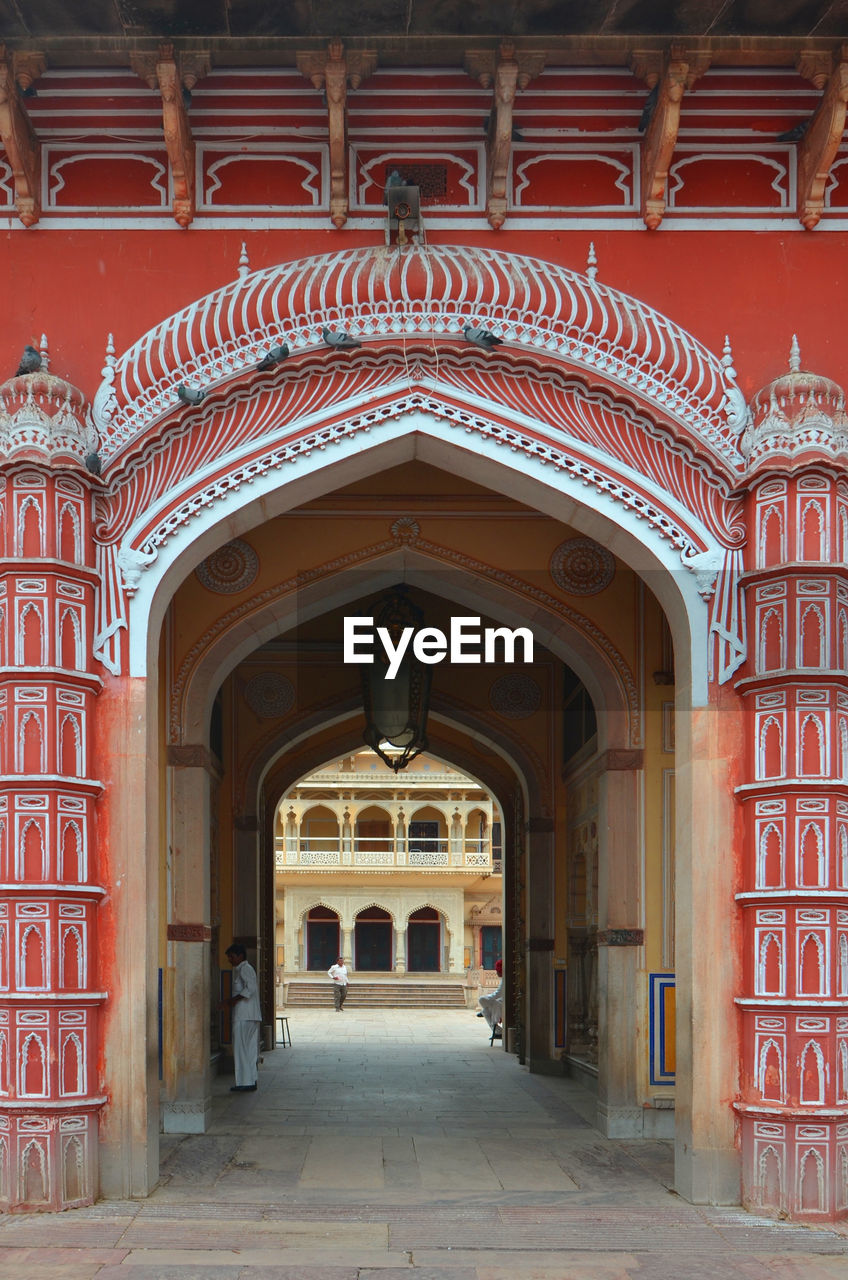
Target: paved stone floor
(389, 1144)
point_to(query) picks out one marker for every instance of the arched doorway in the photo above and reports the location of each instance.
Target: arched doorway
(373, 940)
(323, 938)
(424, 941)
(500, 589)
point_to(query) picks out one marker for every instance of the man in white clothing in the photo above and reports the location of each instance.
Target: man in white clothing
(247, 1015)
(338, 972)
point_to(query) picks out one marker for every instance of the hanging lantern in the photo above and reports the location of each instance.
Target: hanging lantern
(396, 710)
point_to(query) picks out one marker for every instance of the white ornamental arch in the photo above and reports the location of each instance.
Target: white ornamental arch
(626, 422)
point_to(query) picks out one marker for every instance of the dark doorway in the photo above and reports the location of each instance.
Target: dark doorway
(322, 938)
(423, 937)
(373, 940)
(490, 945)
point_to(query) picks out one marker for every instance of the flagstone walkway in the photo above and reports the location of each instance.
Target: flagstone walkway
(397, 1144)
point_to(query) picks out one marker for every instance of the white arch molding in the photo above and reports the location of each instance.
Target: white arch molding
(621, 529)
(593, 396)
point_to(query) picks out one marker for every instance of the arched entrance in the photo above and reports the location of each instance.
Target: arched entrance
(323, 938)
(672, 524)
(424, 941)
(373, 940)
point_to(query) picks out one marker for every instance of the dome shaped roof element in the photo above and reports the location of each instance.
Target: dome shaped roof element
(44, 418)
(797, 414)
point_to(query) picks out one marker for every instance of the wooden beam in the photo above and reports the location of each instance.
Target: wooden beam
(676, 72)
(817, 149)
(506, 72)
(23, 150)
(164, 72)
(333, 70)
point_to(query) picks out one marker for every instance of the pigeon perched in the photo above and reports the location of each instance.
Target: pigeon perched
(274, 357)
(796, 133)
(188, 395)
(92, 462)
(30, 361)
(341, 340)
(394, 180)
(481, 337)
(649, 108)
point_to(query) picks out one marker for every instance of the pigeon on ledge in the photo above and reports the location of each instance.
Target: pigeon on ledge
(188, 395)
(274, 357)
(649, 108)
(481, 337)
(92, 462)
(394, 180)
(341, 340)
(796, 133)
(30, 361)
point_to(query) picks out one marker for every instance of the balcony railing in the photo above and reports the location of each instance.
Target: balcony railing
(446, 853)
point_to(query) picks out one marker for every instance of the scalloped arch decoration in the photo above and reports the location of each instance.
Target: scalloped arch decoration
(385, 294)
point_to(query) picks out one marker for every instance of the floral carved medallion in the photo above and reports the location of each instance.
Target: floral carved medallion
(582, 567)
(231, 568)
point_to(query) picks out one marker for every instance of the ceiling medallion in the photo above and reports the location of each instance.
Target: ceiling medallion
(582, 567)
(269, 695)
(515, 696)
(231, 568)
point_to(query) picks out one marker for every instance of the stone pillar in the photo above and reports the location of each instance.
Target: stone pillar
(187, 1076)
(540, 944)
(621, 1031)
(128, 826)
(794, 899)
(51, 966)
(706, 1163)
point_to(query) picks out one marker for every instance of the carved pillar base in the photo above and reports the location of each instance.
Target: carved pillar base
(187, 1115)
(48, 1160)
(795, 1165)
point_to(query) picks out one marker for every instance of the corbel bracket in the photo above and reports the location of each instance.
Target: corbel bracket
(162, 71)
(505, 72)
(23, 150)
(673, 73)
(333, 71)
(817, 149)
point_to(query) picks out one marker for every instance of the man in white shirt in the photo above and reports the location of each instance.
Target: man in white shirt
(247, 1015)
(338, 972)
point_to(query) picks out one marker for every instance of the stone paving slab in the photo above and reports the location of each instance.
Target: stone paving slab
(53, 1264)
(280, 1233)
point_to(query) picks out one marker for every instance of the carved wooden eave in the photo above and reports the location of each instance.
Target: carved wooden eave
(506, 71)
(817, 149)
(674, 73)
(333, 70)
(23, 150)
(162, 70)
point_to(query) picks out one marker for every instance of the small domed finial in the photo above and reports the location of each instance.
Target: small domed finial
(244, 262)
(592, 262)
(794, 355)
(44, 353)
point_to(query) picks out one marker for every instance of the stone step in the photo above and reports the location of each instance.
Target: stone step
(380, 995)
